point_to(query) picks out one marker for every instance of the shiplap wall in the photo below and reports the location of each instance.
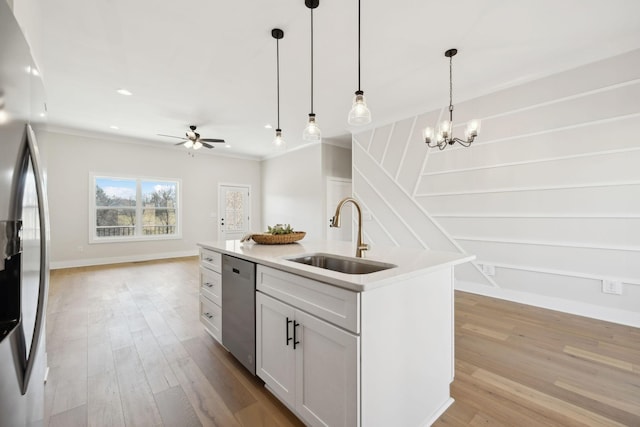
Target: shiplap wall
(549, 193)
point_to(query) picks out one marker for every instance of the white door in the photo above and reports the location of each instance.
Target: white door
(275, 357)
(234, 211)
(327, 375)
(338, 189)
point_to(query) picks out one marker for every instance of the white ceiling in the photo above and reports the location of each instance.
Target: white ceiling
(212, 63)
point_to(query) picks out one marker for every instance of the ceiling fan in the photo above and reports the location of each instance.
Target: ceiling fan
(192, 139)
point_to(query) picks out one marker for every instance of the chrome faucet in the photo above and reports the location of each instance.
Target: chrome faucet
(335, 222)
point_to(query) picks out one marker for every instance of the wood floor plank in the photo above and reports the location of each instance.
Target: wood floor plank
(533, 397)
(235, 395)
(138, 405)
(599, 358)
(159, 374)
(104, 401)
(76, 417)
(207, 403)
(175, 408)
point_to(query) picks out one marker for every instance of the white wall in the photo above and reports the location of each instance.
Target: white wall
(71, 158)
(549, 193)
(294, 186)
(336, 161)
(292, 189)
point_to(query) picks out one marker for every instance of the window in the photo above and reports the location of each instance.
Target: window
(134, 209)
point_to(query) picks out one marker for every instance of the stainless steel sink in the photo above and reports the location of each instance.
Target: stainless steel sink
(342, 264)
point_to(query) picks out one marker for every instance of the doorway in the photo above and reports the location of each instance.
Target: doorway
(234, 210)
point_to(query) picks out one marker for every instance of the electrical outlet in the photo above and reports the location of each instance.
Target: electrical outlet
(489, 270)
(612, 287)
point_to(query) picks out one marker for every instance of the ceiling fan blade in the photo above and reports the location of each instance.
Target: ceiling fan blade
(204, 144)
(180, 143)
(211, 140)
(171, 136)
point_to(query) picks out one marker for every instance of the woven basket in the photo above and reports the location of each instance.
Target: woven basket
(278, 239)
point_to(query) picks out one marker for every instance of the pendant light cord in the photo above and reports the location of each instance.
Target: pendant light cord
(311, 61)
(278, 76)
(358, 45)
(451, 89)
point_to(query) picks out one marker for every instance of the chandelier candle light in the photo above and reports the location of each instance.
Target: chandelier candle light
(277, 34)
(312, 131)
(359, 114)
(445, 134)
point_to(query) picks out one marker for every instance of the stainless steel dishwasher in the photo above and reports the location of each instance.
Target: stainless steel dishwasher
(239, 310)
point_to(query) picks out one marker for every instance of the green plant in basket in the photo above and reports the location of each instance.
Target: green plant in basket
(280, 229)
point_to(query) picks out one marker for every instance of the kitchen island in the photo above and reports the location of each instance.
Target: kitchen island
(344, 349)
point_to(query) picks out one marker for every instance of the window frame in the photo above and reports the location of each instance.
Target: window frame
(138, 235)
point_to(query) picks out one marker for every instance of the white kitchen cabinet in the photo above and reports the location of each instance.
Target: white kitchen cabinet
(311, 365)
(211, 292)
(275, 357)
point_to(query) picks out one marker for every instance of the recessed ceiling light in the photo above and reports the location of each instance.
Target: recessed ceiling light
(114, 127)
(268, 126)
(123, 91)
(227, 146)
(43, 114)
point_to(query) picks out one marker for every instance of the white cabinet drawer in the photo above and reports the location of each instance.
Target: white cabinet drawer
(211, 317)
(211, 285)
(211, 259)
(335, 305)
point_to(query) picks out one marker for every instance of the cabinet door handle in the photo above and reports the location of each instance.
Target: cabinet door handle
(208, 259)
(209, 285)
(208, 315)
(295, 335)
(287, 327)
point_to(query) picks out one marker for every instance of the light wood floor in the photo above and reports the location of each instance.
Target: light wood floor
(125, 347)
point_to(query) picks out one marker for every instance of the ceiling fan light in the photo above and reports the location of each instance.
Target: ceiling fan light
(312, 131)
(188, 143)
(359, 114)
(197, 145)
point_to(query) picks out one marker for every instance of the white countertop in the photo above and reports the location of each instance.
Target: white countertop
(409, 262)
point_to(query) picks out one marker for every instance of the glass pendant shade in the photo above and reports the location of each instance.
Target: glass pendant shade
(445, 128)
(278, 141)
(359, 114)
(427, 134)
(197, 145)
(188, 143)
(312, 131)
(473, 129)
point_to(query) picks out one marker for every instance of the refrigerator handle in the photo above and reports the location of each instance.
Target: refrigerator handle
(43, 211)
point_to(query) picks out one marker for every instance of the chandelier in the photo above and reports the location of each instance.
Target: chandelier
(445, 136)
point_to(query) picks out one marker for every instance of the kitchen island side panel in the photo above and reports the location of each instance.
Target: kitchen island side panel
(407, 337)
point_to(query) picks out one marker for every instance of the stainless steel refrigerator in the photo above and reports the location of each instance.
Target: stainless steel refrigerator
(24, 272)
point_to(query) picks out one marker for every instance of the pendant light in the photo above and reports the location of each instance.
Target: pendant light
(359, 114)
(277, 34)
(312, 131)
(445, 135)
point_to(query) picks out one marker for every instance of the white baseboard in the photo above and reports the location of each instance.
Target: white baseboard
(54, 265)
(438, 413)
(623, 317)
